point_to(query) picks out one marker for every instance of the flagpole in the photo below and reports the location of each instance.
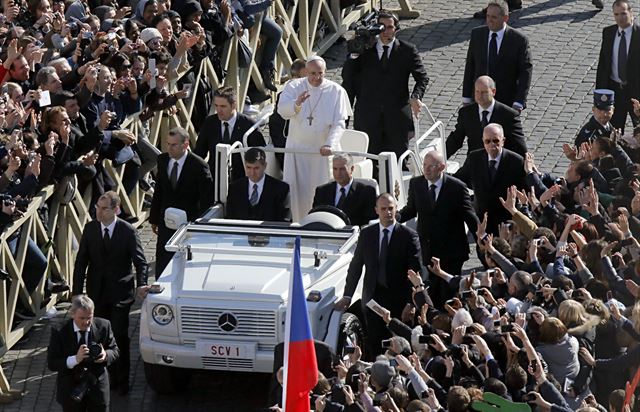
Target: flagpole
(287, 328)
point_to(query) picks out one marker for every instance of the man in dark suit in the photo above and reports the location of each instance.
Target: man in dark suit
(618, 67)
(183, 182)
(473, 118)
(356, 199)
(378, 81)
(226, 126)
(443, 206)
(502, 53)
(108, 247)
(387, 251)
(490, 172)
(258, 196)
(68, 354)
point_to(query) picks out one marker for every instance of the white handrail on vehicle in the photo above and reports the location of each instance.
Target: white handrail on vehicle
(263, 116)
(439, 126)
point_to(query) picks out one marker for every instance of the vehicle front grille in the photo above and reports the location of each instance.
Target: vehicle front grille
(209, 362)
(248, 323)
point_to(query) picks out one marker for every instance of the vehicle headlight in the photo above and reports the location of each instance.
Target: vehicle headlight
(162, 314)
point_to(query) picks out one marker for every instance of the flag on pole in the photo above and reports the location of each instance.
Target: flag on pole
(300, 366)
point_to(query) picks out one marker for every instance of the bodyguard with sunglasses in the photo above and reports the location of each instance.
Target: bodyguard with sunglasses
(490, 172)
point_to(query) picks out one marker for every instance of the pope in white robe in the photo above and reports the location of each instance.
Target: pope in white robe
(317, 110)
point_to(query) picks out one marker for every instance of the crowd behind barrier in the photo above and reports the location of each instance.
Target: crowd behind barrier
(80, 113)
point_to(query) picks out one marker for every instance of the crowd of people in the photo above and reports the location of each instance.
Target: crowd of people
(551, 319)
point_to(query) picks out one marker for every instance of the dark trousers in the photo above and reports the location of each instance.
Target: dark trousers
(97, 398)
(385, 134)
(623, 106)
(163, 257)
(118, 315)
(377, 330)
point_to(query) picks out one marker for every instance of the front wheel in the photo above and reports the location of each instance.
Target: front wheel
(351, 334)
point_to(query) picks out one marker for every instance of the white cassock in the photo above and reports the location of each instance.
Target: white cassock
(320, 122)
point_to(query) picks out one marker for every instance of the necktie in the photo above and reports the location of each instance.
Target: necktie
(174, 175)
(82, 340)
(385, 57)
(226, 136)
(432, 193)
(382, 260)
(622, 58)
(254, 195)
(343, 197)
(492, 169)
(493, 55)
(485, 118)
(106, 239)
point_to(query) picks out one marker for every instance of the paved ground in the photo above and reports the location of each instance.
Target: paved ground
(564, 37)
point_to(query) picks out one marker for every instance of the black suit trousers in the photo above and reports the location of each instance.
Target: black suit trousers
(163, 257)
(118, 315)
(97, 398)
(623, 107)
(439, 289)
(377, 330)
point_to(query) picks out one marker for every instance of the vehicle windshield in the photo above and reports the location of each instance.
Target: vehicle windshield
(222, 240)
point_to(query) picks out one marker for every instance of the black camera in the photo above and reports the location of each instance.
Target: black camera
(426, 339)
(95, 350)
(7, 200)
(84, 380)
(366, 31)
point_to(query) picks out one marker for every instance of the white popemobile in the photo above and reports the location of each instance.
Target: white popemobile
(221, 303)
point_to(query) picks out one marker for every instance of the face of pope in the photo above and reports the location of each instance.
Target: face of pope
(315, 72)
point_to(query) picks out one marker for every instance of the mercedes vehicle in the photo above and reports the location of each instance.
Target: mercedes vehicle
(222, 301)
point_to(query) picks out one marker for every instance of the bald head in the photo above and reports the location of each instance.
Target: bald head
(485, 90)
(433, 166)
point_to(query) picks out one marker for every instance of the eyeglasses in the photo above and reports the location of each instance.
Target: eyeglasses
(494, 141)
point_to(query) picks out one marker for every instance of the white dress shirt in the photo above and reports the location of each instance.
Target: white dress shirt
(497, 159)
(232, 124)
(616, 46)
(438, 184)
(498, 39)
(110, 228)
(71, 360)
(180, 164)
(260, 184)
(381, 228)
(380, 49)
(347, 187)
(488, 109)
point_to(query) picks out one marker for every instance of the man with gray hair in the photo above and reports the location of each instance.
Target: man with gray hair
(356, 199)
(80, 350)
(47, 79)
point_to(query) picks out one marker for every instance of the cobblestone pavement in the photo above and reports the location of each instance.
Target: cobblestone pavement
(564, 37)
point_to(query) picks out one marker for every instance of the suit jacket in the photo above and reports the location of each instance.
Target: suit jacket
(441, 226)
(633, 59)
(403, 254)
(273, 204)
(108, 272)
(193, 194)
(486, 193)
(211, 134)
(359, 204)
(377, 91)
(469, 126)
(513, 77)
(64, 343)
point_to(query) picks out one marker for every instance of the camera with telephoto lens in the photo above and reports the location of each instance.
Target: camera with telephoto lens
(366, 31)
(7, 200)
(83, 376)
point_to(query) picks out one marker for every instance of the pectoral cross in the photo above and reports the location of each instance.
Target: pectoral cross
(310, 119)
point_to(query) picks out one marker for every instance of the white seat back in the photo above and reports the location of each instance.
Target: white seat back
(357, 141)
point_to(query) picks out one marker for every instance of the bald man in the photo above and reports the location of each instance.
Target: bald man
(473, 118)
(443, 206)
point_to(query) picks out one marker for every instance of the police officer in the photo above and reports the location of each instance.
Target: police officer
(598, 125)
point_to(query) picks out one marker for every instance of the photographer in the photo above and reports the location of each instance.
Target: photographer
(377, 79)
(80, 350)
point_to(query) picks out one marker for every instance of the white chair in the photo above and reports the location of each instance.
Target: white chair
(356, 141)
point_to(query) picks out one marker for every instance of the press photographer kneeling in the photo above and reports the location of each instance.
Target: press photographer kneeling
(80, 351)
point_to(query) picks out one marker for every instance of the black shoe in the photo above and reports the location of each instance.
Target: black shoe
(482, 14)
(58, 287)
(268, 76)
(598, 3)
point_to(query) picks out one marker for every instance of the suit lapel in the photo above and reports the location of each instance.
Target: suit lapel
(505, 44)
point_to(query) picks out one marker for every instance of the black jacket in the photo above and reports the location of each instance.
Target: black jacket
(633, 60)
(273, 204)
(359, 205)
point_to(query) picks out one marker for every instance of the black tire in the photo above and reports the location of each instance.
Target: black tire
(350, 327)
(165, 380)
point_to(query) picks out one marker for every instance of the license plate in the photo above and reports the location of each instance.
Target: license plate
(226, 349)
